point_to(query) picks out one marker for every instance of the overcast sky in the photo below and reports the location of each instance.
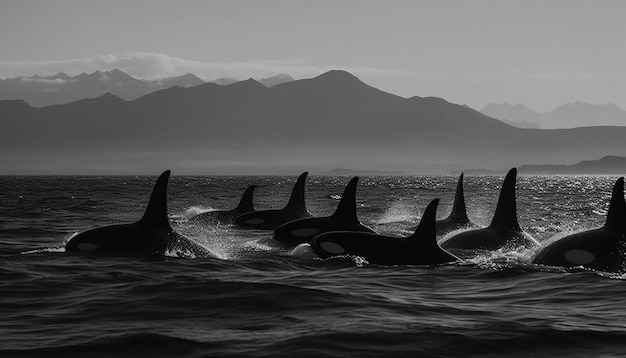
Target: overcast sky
(541, 53)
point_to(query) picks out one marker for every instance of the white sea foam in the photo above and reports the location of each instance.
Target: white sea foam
(196, 210)
(398, 212)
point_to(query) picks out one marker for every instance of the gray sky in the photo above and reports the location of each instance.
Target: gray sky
(541, 53)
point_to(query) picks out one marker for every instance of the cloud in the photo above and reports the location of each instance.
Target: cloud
(56, 81)
(149, 65)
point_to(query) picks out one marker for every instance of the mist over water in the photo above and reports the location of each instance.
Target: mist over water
(251, 297)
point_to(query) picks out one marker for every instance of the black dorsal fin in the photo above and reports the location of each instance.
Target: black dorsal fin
(246, 204)
(616, 217)
(346, 210)
(459, 213)
(505, 217)
(426, 231)
(156, 212)
(296, 201)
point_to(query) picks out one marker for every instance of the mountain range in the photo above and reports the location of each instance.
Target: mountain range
(609, 164)
(571, 115)
(60, 88)
(330, 121)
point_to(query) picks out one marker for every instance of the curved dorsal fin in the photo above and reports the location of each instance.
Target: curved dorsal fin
(505, 217)
(296, 200)
(346, 210)
(246, 204)
(616, 217)
(426, 231)
(459, 213)
(156, 212)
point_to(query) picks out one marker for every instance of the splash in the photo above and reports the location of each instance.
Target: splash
(398, 212)
(613, 276)
(360, 261)
(216, 241)
(47, 249)
(226, 242)
(501, 259)
(454, 233)
(195, 211)
(304, 252)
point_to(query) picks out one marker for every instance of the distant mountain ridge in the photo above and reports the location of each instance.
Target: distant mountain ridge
(571, 115)
(516, 115)
(41, 91)
(330, 121)
(610, 164)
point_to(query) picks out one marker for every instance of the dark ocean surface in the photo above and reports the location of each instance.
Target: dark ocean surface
(254, 299)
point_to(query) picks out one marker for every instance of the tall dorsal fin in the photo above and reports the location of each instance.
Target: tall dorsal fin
(346, 210)
(459, 212)
(296, 201)
(616, 217)
(505, 217)
(426, 231)
(156, 212)
(246, 204)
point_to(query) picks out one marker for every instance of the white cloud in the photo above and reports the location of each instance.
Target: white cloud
(56, 81)
(155, 65)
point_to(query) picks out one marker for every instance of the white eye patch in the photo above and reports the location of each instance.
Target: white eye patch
(332, 247)
(579, 257)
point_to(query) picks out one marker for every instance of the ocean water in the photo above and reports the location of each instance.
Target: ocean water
(252, 298)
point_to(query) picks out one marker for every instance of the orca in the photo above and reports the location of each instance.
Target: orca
(458, 216)
(246, 205)
(344, 219)
(602, 249)
(271, 219)
(151, 235)
(504, 230)
(421, 248)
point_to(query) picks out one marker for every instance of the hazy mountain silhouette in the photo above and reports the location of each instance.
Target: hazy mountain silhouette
(276, 80)
(333, 120)
(267, 82)
(571, 115)
(225, 81)
(609, 164)
(582, 114)
(61, 88)
(187, 80)
(516, 115)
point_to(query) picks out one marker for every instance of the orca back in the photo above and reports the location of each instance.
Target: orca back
(273, 218)
(420, 248)
(616, 217)
(426, 232)
(458, 216)
(505, 217)
(150, 234)
(346, 209)
(297, 202)
(155, 215)
(504, 230)
(600, 249)
(246, 204)
(459, 212)
(344, 219)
